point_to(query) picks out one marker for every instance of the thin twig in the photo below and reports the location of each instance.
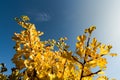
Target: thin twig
(92, 73)
(76, 60)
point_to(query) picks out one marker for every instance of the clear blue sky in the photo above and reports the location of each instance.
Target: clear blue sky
(60, 18)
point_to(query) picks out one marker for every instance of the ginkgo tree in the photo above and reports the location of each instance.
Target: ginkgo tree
(40, 60)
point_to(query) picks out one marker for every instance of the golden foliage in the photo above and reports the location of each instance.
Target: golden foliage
(102, 78)
(39, 60)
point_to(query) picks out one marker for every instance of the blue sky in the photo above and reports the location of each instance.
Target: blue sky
(60, 18)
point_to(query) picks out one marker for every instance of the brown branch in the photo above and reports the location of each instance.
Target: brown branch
(76, 60)
(88, 41)
(92, 73)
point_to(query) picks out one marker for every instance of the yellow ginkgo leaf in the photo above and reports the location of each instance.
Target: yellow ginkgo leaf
(101, 72)
(25, 18)
(102, 78)
(90, 29)
(113, 54)
(81, 38)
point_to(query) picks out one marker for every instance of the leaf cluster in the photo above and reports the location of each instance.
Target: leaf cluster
(40, 60)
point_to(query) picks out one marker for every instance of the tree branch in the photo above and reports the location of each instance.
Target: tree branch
(92, 73)
(76, 60)
(88, 41)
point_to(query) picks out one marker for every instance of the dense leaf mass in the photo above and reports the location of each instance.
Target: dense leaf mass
(40, 60)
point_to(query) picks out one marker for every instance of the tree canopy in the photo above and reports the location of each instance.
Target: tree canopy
(40, 60)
